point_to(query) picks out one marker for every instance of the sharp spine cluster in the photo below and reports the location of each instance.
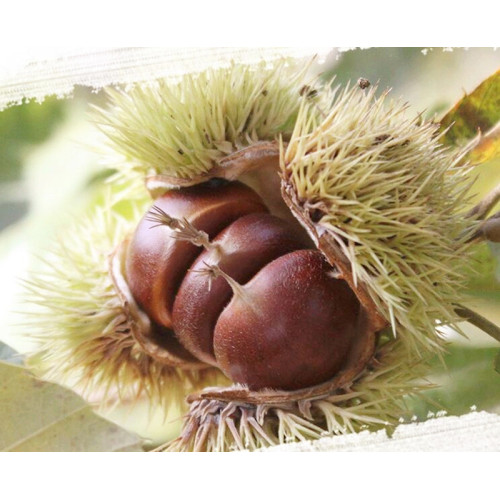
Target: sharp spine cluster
(83, 328)
(379, 183)
(181, 129)
(393, 198)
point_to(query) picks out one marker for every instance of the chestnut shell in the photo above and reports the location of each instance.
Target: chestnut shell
(258, 160)
(291, 328)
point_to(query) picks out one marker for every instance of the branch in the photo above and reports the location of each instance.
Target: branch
(477, 320)
(489, 229)
(485, 205)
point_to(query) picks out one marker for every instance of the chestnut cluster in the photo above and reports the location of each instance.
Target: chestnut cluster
(240, 289)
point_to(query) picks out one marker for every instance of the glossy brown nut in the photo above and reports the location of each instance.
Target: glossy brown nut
(241, 250)
(291, 328)
(156, 262)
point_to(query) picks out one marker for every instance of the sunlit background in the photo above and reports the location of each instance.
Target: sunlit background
(49, 175)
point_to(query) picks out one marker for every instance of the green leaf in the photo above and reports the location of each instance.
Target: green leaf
(477, 111)
(41, 416)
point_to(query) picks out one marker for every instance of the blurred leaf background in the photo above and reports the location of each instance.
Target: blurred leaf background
(48, 176)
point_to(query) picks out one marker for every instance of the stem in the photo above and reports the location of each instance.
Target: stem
(478, 320)
(489, 229)
(485, 205)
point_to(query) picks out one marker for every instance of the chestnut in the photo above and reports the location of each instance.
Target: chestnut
(255, 300)
(322, 336)
(241, 250)
(157, 261)
(289, 327)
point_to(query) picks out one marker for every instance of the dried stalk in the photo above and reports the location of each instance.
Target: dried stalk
(477, 320)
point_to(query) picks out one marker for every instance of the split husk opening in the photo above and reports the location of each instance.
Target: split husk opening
(377, 196)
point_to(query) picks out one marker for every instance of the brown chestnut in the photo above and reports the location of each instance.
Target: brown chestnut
(289, 327)
(255, 301)
(241, 250)
(157, 261)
